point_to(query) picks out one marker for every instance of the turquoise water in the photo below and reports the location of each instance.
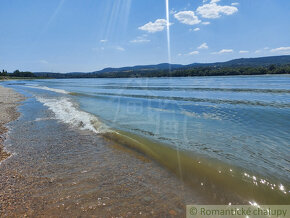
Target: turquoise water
(242, 121)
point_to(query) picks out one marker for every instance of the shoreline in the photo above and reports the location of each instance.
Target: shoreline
(61, 171)
(142, 77)
(9, 100)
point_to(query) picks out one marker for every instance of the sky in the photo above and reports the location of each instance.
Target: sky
(89, 35)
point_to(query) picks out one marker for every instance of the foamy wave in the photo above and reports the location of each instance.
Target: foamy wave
(67, 112)
(49, 89)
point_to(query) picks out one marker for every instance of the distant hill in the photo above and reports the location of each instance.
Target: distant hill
(262, 61)
(260, 64)
(162, 66)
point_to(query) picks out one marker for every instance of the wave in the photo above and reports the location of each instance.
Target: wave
(68, 112)
(197, 89)
(61, 91)
(228, 183)
(203, 115)
(161, 110)
(191, 99)
(222, 182)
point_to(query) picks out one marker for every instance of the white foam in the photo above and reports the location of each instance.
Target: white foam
(68, 112)
(49, 89)
(43, 119)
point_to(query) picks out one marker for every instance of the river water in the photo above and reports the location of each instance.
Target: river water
(228, 136)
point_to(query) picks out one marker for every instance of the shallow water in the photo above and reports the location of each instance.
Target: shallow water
(59, 170)
(235, 127)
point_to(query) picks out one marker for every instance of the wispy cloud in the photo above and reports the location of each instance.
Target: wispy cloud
(119, 48)
(211, 1)
(187, 17)
(189, 54)
(140, 39)
(152, 27)
(172, 11)
(203, 46)
(235, 3)
(193, 53)
(223, 51)
(281, 49)
(205, 23)
(196, 29)
(43, 61)
(243, 52)
(103, 40)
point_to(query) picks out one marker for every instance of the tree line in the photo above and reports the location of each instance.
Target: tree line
(181, 72)
(197, 71)
(17, 73)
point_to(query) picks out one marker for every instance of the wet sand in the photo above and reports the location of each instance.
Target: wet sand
(60, 171)
(8, 101)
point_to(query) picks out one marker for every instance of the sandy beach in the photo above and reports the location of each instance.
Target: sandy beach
(9, 99)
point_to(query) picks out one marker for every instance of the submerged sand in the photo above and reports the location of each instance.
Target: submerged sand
(60, 171)
(9, 99)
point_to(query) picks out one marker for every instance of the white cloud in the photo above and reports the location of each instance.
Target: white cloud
(103, 40)
(235, 3)
(281, 49)
(203, 46)
(212, 10)
(196, 29)
(119, 48)
(224, 51)
(157, 26)
(140, 39)
(193, 53)
(243, 52)
(205, 23)
(187, 17)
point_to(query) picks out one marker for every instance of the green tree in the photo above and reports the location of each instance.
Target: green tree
(4, 73)
(272, 67)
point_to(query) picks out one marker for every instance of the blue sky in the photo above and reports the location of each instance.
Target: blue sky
(88, 35)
